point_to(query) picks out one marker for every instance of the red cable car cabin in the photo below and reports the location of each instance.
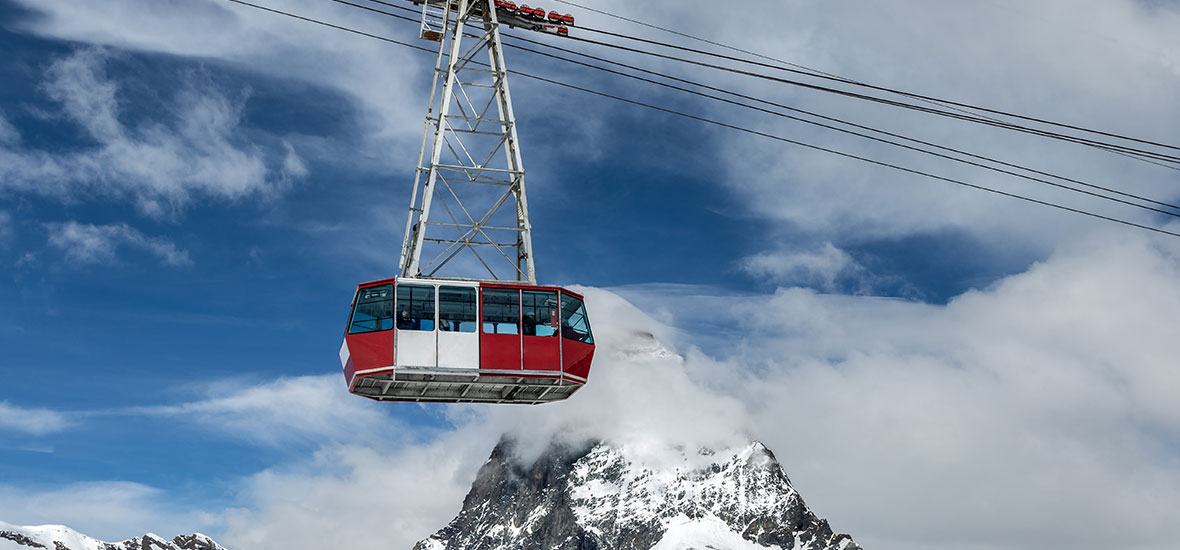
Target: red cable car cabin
(459, 341)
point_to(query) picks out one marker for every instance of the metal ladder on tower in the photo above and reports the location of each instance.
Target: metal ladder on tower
(468, 209)
(434, 20)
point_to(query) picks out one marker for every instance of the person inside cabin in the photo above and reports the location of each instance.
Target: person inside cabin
(403, 320)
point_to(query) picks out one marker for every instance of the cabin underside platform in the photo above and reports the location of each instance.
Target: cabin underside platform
(465, 386)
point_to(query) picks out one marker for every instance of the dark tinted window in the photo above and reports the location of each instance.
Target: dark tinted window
(540, 313)
(456, 309)
(501, 311)
(574, 324)
(373, 310)
(415, 307)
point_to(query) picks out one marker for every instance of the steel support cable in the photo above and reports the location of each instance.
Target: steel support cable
(1113, 147)
(824, 117)
(734, 48)
(857, 157)
(1146, 156)
(337, 27)
(865, 136)
(699, 39)
(745, 130)
(796, 65)
(820, 74)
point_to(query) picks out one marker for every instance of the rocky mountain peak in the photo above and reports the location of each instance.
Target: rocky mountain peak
(635, 496)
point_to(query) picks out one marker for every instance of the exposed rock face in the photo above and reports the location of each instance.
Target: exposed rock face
(636, 497)
(58, 537)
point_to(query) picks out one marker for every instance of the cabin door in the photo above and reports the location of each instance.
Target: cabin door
(416, 341)
(458, 319)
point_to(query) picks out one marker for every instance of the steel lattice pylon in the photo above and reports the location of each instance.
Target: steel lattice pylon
(469, 185)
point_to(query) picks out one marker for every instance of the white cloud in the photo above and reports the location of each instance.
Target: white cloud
(6, 230)
(379, 75)
(1025, 58)
(316, 409)
(8, 133)
(97, 244)
(1107, 65)
(108, 510)
(87, 96)
(820, 268)
(293, 166)
(1044, 404)
(161, 166)
(31, 421)
(355, 497)
(1019, 57)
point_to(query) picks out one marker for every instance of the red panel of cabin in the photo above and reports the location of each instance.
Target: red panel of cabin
(576, 357)
(499, 351)
(542, 353)
(540, 320)
(499, 339)
(370, 350)
(370, 334)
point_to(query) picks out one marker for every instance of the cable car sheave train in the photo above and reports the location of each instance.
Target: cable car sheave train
(456, 341)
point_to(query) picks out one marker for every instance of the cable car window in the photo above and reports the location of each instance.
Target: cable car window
(501, 311)
(540, 313)
(456, 309)
(574, 324)
(415, 307)
(373, 310)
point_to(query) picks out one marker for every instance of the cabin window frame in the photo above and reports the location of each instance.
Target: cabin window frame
(382, 321)
(413, 311)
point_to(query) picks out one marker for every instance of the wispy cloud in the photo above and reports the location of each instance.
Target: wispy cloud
(6, 230)
(32, 421)
(8, 133)
(307, 409)
(1045, 66)
(107, 510)
(822, 268)
(161, 165)
(410, 493)
(98, 244)
(365, 70)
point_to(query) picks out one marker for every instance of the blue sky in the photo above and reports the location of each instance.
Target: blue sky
(190, 191)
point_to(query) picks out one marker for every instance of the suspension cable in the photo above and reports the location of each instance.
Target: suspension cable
(743, 129)
(799, 69)
(1151, 157)
(823, 117)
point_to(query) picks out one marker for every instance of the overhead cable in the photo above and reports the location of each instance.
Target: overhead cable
(966, 117)
(809, 70)
(1152, 157)
(747, 130)
(820, 116)
(799, 69)
(847, 123)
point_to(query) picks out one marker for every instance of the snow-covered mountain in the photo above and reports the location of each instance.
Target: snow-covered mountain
(637, 497)
(596, 496)
(58, 537)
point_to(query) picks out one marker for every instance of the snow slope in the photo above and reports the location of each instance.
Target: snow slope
(60, 537)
